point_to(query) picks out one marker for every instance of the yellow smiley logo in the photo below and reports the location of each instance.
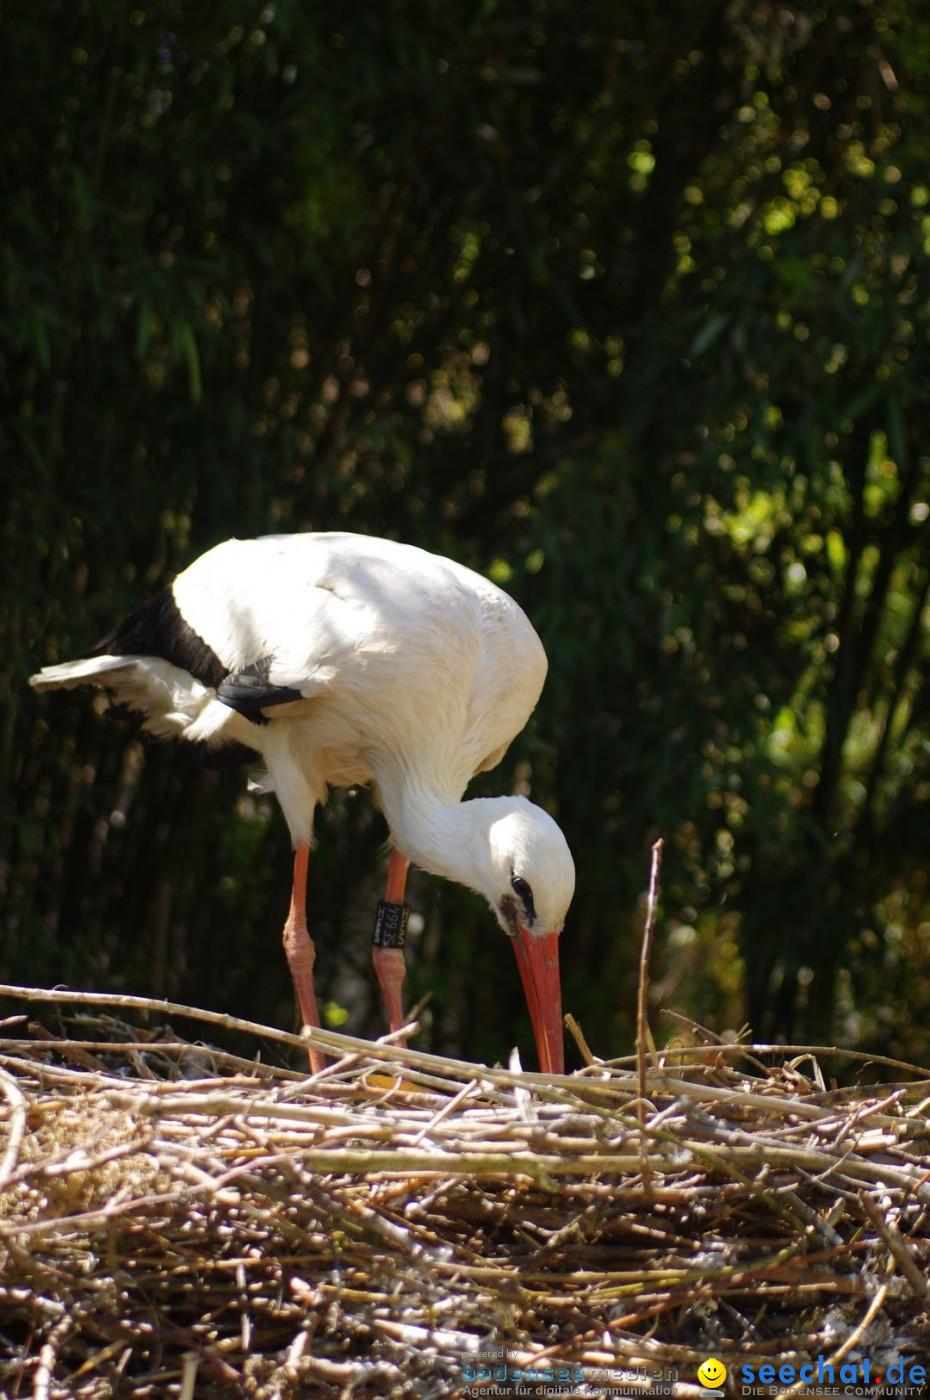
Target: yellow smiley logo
(712, 1372)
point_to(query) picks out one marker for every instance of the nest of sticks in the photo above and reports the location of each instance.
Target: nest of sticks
(175, 1220)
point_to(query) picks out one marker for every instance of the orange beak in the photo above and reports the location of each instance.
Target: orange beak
(538, 961)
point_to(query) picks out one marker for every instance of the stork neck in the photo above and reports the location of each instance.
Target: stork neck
(446, 839)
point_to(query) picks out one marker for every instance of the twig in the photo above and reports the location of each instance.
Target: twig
(578, 1036)
(642, 1024)
(189, 1375)
(166, 1008)
(847, 1346)
(17, 1104)
(48, 1356)
(897, 1245)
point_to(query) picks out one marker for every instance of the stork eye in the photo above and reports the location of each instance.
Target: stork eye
(523, 892)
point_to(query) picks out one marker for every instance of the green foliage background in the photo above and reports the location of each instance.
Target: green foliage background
(625, 305)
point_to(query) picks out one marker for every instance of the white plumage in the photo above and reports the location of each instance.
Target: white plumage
(340, 660)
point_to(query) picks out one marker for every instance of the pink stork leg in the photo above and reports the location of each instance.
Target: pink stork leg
(300, 952)
(389, 962)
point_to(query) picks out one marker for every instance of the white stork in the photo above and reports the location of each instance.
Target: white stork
(344, 660)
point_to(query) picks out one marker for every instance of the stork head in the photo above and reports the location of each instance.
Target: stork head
(514, 854)
(532, 880)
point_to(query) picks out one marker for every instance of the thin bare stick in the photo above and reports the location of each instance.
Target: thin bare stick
(167, 1008)
(578, 1036)
(17, 1102)
(847, 1346)
(897, 1245)
(642, 1023)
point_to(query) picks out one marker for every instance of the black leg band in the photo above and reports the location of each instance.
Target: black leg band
(391, 925)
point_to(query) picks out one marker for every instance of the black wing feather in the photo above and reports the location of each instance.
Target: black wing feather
(251, 692)
(159, 629)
